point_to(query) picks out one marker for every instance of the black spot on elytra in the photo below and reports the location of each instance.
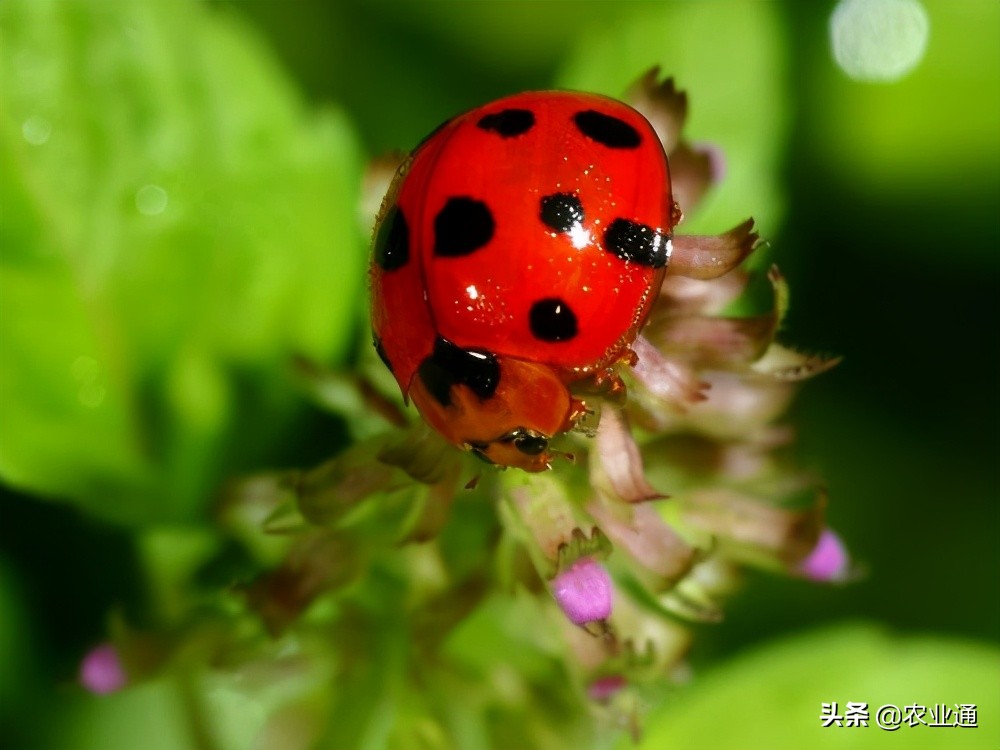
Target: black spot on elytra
(637, 243)
(463, 226)
(508, 123)
(607, 130)
(551, 319)
(392, 241)
(450, 365)
(561, 211)
(380, 351)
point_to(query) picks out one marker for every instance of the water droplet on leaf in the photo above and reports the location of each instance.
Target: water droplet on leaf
(36, 130)
(151, 200)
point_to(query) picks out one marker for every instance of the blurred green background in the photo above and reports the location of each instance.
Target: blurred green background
(179, 195)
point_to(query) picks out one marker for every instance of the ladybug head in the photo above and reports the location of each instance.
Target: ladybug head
(521, 447)
(509, 426)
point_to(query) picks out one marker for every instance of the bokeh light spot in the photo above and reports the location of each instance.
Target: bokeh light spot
(101, 670)
(878, 40)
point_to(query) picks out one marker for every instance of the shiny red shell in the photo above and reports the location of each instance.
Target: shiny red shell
(585, 148)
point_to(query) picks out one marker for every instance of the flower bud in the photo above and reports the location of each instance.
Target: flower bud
(603, 689)
(584, 592)
(101, 670)
(828, 561)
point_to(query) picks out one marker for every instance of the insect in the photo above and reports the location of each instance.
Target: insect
(516, 257)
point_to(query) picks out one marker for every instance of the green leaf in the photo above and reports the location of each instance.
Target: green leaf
(731, 59)
(151, 715)
(200, 711)
(176, 226)
(772, 697)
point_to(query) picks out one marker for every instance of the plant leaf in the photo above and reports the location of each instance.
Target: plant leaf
(169, 242)
(772, 697)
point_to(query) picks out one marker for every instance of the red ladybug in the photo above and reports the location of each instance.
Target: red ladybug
(516, 257)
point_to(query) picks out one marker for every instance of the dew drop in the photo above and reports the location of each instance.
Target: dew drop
(36, 130)
(151, 200)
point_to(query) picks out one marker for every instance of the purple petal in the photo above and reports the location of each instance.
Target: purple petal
(662, 104)
(604, 689)
(716, 157)
(670, 380)
(691, 175)
(101, 670)
(620, 459)
(712, 256)
(647, 539)
(828, 561)
(584, 592)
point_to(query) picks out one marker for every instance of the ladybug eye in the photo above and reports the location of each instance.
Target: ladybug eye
(531, 445)
(528, 442)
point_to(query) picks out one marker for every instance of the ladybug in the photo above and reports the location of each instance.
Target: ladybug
(515, 259)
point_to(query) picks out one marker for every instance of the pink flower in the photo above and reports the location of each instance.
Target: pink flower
(828, 561)
(603, 689)
(584, 592)
(101, 670)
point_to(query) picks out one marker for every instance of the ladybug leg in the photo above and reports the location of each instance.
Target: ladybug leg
(615, 390)
(606, 384)
(709, 257)
(577, 410)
